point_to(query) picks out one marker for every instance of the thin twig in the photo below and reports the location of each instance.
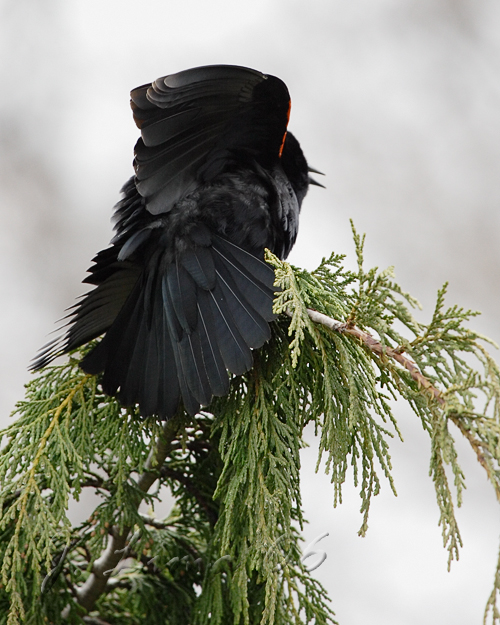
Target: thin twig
(156, 523)
(476, 446)
(95, 585)
(377, 348)
(93, 620)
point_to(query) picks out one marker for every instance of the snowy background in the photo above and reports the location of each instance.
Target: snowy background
(397, 101)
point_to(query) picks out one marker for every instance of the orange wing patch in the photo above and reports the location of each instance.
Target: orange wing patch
(284, 136)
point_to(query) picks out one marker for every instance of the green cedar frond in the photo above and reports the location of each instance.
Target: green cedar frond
(344, 345)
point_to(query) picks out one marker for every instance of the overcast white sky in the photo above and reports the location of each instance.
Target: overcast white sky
(397, 101)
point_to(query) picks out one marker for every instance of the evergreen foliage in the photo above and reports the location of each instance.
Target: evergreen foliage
(229, 551)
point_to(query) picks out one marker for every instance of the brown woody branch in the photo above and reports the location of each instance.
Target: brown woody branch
(96, 583)
(477, 447)
(377, 348)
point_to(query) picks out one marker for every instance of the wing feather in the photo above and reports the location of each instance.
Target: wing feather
(188, 120)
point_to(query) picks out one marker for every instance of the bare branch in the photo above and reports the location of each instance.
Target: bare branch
(156, 523)
(477, 447)
(96, 583)
(377, 348)
(93, 620)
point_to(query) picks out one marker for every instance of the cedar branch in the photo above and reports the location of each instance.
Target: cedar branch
(96, 583)
(477, 447)
(377, 348)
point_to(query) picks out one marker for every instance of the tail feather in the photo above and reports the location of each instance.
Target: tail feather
(97, 311)
(93, 315)
(234, 350)
(179, 305)
(182, 290)
(251, 325)
(168, 392)
(175, 330)
(134, 368)
(193, 366)
(200, 265)
(117, 346)
(255, 278)
(190, 402)
(47, 353)
(214, 364)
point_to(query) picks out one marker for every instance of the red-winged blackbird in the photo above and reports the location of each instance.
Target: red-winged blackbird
(183, 294)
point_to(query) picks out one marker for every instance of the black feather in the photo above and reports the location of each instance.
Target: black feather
(234, 350)
(183, 294)
(214, 364)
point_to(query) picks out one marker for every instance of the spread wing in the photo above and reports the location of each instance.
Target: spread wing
(193, 123)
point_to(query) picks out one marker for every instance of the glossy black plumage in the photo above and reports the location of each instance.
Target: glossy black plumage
(183, 294)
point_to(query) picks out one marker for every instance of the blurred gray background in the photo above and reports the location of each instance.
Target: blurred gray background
(398, 102)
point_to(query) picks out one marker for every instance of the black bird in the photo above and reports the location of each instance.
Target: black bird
(183, 294)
